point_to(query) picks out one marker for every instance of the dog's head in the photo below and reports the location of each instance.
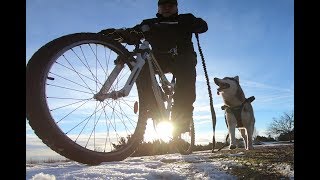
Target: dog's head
(230, 90)
(227, 85)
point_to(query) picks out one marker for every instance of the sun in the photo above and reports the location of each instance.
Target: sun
(162, 131)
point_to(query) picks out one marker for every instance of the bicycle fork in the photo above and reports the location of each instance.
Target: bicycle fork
(104, 94)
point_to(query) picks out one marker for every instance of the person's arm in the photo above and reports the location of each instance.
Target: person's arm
(192, 24)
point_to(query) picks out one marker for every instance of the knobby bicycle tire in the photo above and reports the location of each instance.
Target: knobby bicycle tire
(40, 114)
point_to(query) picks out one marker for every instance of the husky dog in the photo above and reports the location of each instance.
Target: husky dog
(238, 110)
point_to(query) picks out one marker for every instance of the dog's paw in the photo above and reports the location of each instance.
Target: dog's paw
(232, 146)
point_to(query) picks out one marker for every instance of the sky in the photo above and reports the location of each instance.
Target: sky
(199, 165)
(252, 39)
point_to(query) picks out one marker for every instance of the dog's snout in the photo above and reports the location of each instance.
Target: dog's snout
(215, 79)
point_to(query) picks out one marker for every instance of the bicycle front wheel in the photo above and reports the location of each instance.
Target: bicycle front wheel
(62, 78)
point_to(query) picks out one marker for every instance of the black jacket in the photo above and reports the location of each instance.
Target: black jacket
(165, 33)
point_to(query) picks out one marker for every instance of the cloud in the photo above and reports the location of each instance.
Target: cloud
(259, 85)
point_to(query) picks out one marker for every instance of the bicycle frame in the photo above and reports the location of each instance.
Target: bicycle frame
(142, 57)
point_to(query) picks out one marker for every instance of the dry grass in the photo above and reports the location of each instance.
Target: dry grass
(261, 163)
(49, 160)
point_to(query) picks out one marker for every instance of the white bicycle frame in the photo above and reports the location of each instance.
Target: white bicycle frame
(141, 59)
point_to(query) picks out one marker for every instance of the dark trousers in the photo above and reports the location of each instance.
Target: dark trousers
(183, 67)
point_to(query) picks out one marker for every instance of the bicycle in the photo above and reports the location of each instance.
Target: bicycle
(92, 111)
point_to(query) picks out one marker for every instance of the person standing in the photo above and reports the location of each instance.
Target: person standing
(170, 36)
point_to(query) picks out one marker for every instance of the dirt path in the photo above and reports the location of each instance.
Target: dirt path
(264, 162)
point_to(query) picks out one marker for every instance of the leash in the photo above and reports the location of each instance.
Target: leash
(213, 114)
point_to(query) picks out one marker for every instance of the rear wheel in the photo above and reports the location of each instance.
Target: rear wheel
(62, 78)
(184, 142)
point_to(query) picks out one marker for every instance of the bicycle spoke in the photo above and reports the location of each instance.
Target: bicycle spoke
(112, 117)
(97, 60)
(82, 75)
(84, 125)
(107, 62)
(86, 65)
(68, 104)
(121, 112)
(69, 80)
(71, 112)
(93, 129)
(67, 98)
(130, 120)
(69, 88)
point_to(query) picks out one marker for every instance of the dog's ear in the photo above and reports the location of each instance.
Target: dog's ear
(236, 78)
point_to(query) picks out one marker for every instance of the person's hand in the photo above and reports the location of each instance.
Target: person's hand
(186, 22)
(116, 34)
(131, 36)
(122, 35)
(107, 32)
(190, 23)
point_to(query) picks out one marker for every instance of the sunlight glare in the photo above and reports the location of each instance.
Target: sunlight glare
(164, 130)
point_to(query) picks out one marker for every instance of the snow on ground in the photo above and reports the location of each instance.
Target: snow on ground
(170, 166)
(198, 165)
